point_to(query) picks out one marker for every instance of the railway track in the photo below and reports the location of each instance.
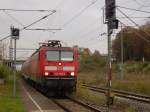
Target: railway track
(121, 93)
(73, 105)
(41, 102)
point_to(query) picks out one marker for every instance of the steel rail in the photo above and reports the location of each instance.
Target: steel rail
(61, 106)
(86, 105)
(121, 93)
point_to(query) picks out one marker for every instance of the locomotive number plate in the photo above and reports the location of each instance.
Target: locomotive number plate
(59, 68)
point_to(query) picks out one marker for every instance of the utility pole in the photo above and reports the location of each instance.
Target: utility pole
(112, 23)
(15, 36)
(14, 67)
(3, 52)
(0, 51)
(122, 50)
(109, 83)
(11, 51)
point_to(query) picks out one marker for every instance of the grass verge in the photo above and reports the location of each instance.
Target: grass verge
(88, 95)
(8, 103)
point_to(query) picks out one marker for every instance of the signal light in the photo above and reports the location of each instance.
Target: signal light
(110, 9)
(15, 32)
(113, 24)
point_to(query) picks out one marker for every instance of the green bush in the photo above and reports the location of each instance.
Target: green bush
(145, 64)
(147, 69)
(5, 72)
(92, 64)
(1, 72)
(137, 67)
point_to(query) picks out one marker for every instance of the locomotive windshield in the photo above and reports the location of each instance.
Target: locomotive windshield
(52, 55)
(59, 55)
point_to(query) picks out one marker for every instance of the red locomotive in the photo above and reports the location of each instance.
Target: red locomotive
(52, 67)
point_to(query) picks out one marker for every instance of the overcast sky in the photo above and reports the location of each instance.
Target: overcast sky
(78, 28)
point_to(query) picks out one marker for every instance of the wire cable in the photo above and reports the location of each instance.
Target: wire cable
(77, 15)
(41, 29)
(135, 24)
(13, 18)
(136, 33)
(30, 24)
(133, 9)
(26, 49)
(133, 17)
(141, 4)
(38, 20)
(27, 10)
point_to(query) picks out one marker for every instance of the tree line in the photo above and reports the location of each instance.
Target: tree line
(136, 43)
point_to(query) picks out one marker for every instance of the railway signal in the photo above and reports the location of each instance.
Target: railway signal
(110, 12)
(110, 9)
(112, 23)
(15, 32)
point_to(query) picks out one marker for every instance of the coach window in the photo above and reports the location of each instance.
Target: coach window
(66, 56)
(52, 55)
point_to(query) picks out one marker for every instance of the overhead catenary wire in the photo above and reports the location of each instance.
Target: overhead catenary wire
(141, 3)
(16, 20)
(133, 9)
(26, 49)
(83, 35)
(22, 58)
(38, 20)
(134, 17)
(136, 25)
(44, 29)
(5, 38)
(139, 8)
(26, 10)
(78, 14)
(31, 24)
(139, 35)
(130, 19)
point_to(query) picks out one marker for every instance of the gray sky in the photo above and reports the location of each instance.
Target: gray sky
(84, 30)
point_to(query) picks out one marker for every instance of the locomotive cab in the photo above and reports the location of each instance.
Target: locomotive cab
(52, 67)
(59, 67)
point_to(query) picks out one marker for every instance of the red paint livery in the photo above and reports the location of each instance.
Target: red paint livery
(52, 67)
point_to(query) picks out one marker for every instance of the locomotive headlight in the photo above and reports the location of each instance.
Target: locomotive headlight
(72, 73)
(46, 73)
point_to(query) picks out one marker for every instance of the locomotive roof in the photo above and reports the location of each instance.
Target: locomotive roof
(54, 48)
(47, 47)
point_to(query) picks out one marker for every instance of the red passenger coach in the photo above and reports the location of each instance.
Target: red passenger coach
(52, 67)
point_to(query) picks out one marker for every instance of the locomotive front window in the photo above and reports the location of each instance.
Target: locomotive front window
(59, 56)
(66, 56)
(52, 55)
